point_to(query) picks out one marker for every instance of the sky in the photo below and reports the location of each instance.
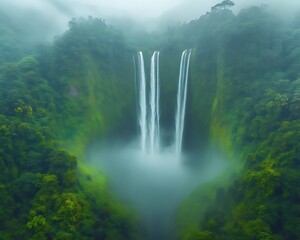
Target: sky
(52, 16)
(48, 18)
(135, 8)
(139, 9)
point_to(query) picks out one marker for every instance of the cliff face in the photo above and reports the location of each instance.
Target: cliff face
(91, 68)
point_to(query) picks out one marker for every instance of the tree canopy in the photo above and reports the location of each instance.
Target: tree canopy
(225, 4)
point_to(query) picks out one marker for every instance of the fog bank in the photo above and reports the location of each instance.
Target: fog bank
(154, 184)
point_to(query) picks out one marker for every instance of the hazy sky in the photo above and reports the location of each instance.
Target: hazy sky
(52, 16)
(140, 7)
(135, 8)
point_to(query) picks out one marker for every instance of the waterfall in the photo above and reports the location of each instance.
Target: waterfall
(154, 104)
(148, 118)
(148, 106)
(141, 83)
(181, 99)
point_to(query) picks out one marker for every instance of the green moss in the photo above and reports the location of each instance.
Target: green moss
(93, 181)
(193, 208)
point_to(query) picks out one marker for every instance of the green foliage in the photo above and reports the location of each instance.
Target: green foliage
(10, 43)
(254, 116)
(41, 195)
(90, 69)
(244, 96)
(223, 5)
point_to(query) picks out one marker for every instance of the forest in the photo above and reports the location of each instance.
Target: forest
(58, 98)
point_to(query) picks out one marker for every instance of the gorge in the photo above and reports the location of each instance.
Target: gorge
(195, 144)
(151, 176)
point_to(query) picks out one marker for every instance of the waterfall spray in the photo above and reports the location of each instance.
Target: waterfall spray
(181, 99)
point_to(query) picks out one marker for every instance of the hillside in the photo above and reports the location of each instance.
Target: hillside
(243, 99)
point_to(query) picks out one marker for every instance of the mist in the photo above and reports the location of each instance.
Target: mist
(154, 184)
(43, 20)
(48, 18)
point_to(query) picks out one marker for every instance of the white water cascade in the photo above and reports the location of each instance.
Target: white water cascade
(181, 99)
(148, 110)
(154, 104)
(142, 101)
(148, 106)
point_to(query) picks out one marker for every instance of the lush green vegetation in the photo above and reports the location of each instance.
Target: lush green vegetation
(44, 194)
(92, 99)
(248, 73)
(244, 98)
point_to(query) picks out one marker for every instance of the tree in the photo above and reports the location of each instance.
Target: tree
(223, 5)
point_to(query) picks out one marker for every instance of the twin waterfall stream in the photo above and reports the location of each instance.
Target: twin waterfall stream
(148, 106)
